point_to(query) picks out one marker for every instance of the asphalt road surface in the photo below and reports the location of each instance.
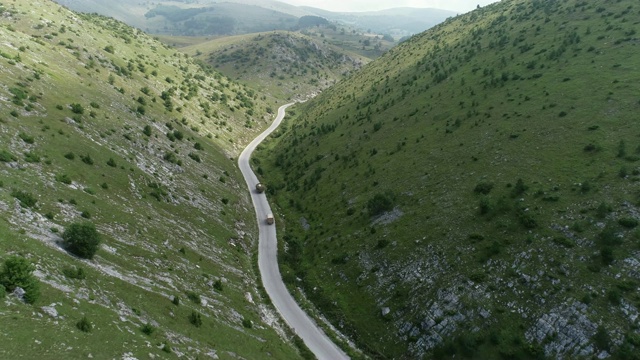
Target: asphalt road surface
(315, 339)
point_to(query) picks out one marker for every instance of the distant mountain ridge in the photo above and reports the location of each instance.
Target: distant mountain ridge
(248, 16)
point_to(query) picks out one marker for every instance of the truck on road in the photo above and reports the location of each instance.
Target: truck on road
(270, 219)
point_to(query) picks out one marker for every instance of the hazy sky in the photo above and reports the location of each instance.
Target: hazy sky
(460, 6)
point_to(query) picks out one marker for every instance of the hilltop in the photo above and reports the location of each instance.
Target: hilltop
(280, 65)
(473, 192)
(105, 126)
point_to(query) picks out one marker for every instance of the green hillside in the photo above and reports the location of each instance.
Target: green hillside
(473, 192)
(281, 65)
(104, 127)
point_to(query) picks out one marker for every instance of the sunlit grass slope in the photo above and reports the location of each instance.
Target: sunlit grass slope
(474, 192)
(100, 123)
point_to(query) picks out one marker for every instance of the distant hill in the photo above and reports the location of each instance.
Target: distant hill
(397, 22)
(105, 126)
(473, 192)
(206, 18)
(283, 65)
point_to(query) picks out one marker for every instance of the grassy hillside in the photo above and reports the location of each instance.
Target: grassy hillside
(101, 124)
(281, 65)
(473, 192)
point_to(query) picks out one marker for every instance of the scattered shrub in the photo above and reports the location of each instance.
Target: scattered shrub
(601, 339)
(519, 189)
(84, 325)
(563, 241)
(77, 108)
(147, 329)
(26, 138)
(483, 188)
(379, 204)
(64, 178)
(70, 155)
(74, 272)
(31, 157)
(217, 285)
(86, 159)
(194, 297)
(82, 239)
(195, 318)
(628, 222)
(26, 199)
(6, 156)
(18, 272)
(247, 323)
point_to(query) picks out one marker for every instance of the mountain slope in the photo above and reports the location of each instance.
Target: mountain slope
(102, 124)
(473, 191)
(278, 64)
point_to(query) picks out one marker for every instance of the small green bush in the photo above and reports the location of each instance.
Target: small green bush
(70, 155)
(18, 272)
(195, 318)
(147, 329)
(218, 285)
(82, 239)
(112, 162)
(519, 189)
(379, 204)
(64, 178)
(628, 222)
(483, 188)
(601, 339)
(247, 323)
(6, 156)
(77, 109)
(26, 138)
(86, 159)
(84, 325)
(194, 297)
(31, 157)
(26, 199)
(74, 272)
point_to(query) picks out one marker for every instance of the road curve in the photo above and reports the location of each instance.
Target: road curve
(315, 339)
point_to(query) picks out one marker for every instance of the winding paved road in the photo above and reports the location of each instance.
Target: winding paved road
(315, 339)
